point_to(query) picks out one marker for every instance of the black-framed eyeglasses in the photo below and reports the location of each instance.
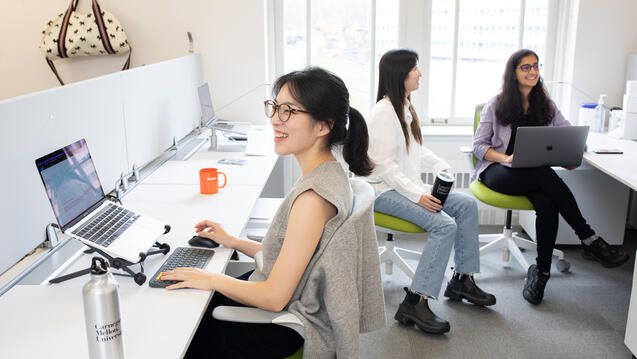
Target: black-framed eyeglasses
(284, 110)
(528, 67)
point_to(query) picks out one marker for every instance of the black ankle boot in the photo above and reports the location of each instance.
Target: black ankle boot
(599, 250)
(463, 286)
(415, 310)
(535, 283)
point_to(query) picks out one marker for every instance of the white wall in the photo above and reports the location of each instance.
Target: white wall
(228, 34)
(606, 34)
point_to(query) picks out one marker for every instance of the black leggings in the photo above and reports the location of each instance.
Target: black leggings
(219, 339)
(550, 196)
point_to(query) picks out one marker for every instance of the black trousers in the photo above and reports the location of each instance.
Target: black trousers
(220, 339)
(550, 196)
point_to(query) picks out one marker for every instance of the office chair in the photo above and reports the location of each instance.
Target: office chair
(389, 253)
(363, 204)
(509, 241)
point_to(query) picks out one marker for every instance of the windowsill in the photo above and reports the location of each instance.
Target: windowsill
(461, 131)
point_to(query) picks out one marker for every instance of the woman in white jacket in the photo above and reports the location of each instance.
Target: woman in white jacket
(396, 149)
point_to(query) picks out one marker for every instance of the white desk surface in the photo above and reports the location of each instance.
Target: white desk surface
(156, 323)
(254, 172)
(48, 321)
(621, 167)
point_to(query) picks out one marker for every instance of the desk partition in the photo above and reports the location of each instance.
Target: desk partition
(127, 117)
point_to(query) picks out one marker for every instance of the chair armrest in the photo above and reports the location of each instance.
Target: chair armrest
(258, 260)
(258, 316)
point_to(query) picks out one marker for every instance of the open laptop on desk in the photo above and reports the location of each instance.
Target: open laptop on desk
(208, 114)
(84, 213)
(548, 146)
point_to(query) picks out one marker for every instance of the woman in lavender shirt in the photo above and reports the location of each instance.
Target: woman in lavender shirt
(523, 101)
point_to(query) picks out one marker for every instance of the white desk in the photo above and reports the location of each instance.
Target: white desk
(48, 321)
(156, 323)
(601, 187)
(623, 168)
(187, 172)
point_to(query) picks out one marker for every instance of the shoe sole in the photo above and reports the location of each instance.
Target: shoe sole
(604, 263)
(407, 320)
(456, 296)
(530, 301)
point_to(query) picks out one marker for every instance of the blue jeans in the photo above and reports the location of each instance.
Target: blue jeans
(455, 226)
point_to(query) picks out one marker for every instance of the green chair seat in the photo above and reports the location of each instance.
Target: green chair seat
(297, 355)
(395, 223)
(497, 199)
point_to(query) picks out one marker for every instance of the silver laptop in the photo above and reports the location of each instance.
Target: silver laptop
(548, 146)
(208, 117)
(84, 213)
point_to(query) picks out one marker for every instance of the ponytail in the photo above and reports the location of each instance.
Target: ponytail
(355, 145)
(325, 96)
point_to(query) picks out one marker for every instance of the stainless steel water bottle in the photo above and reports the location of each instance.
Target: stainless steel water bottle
(101, 312)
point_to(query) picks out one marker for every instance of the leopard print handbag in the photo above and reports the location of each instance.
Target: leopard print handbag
(73, 34)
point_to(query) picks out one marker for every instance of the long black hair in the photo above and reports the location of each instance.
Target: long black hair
(510, 110)
(393, 69)
(325, 96)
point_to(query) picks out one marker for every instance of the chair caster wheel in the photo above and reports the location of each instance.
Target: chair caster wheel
(140, 278)
(563, 265)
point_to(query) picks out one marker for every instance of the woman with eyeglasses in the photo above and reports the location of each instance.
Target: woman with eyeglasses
(310, 115)
(523, 101)
(396, 147)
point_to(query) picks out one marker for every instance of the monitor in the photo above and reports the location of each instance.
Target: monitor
(207, 110)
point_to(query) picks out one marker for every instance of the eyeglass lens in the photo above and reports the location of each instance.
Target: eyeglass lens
(284, 110)
(527, 67)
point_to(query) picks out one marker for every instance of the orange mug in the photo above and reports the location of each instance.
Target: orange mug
(209, 182)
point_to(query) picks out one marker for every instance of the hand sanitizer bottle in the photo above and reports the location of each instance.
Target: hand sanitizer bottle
(600, 115)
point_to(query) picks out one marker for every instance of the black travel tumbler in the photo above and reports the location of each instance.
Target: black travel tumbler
(442, 186)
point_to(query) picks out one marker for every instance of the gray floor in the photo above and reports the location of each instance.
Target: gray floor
(583, 314)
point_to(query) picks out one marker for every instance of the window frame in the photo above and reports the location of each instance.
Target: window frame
(413, 33)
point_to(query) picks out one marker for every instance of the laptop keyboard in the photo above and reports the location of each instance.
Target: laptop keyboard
(181, 257)
(106, 225)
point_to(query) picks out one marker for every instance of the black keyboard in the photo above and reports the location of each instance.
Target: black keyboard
(182, 257)
(106, 225)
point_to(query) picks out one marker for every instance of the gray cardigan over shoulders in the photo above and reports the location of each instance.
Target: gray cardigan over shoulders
(340, 293)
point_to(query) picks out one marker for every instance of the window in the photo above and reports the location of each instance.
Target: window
(470, 44)
(467, 43)
(345, 37)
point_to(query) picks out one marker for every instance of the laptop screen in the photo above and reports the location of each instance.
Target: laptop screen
(70, 181)
(207, 111)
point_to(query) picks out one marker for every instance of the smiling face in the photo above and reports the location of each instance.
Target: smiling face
(527, 80)
(412, 81)
(300, 132)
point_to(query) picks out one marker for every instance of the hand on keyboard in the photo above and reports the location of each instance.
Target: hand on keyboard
(189, 278)
(181, 257)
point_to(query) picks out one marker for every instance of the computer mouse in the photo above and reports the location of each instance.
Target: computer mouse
(197, 241)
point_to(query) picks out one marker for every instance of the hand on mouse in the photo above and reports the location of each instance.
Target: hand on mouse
(214, 231)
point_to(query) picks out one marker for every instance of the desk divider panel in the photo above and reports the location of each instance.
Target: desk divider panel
(158, 100)
(159, 105)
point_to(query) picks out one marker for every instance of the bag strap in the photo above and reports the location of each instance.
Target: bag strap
(97, 12)
(63, 29)
(55, 71)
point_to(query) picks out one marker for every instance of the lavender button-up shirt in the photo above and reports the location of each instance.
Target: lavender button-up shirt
(491, 134)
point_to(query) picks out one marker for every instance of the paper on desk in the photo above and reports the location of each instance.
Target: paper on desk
(260, 141)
